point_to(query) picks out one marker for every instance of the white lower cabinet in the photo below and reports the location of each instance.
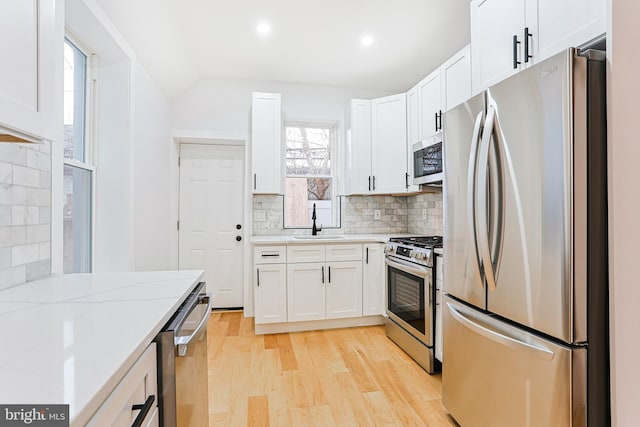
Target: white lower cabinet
(343, 292)
(373, 279)
(270, 293)
(439, 290)
(137, 387)
(305, 292)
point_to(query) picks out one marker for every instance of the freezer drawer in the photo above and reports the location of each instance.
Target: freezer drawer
(498, 375)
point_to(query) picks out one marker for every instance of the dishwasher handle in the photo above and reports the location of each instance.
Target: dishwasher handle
(182, 343)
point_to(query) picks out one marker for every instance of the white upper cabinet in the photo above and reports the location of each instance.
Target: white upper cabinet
(494, 23)
(359, 165)
(456, 79)
(27, 76)
(509, 35)
(430, 105)
(378, 146)
(567, 23)
(266, 143)
(389, 144)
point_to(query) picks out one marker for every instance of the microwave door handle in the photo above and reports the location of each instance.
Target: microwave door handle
(472, 196)
(482, 224)
(182, 343)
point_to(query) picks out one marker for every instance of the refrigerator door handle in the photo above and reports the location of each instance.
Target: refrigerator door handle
(483, 220)
(500, 337)
(472, 195)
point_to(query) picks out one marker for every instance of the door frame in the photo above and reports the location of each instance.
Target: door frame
(185, 137)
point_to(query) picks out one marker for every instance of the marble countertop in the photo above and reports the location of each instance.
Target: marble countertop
(71, 339)
(326, 238)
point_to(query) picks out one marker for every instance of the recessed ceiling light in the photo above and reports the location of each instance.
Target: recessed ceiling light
(263, 28)
(366, 40)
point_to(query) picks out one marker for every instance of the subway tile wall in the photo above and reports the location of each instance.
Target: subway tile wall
(398, 215)
(25, 212)
(431, 203)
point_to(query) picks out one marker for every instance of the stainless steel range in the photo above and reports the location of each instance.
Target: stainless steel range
(411, 297)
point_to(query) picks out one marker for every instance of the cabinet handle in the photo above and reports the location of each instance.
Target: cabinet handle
(374, 183)
(367, 256)
(329, 274)
(440, 120)
(436, 120)
(258, 275)
(515, 52)
(406, 179)
(369, 182)
(254, 180)
(269, 255)
(323, 274)
(527, 36)
(144, 410)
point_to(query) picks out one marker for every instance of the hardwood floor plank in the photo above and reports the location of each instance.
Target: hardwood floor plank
(258, 412)
(342, 377)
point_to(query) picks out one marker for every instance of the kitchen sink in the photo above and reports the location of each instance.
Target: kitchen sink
(320, 237)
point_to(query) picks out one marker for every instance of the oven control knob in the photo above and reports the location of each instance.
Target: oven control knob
(388, 249)
(421, 255)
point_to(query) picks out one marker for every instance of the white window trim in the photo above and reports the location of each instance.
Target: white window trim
(90, 138)
(335, 199)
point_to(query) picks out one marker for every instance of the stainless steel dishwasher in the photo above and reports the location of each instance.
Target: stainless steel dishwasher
(182, 364)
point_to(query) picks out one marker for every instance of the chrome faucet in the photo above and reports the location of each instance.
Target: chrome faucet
(314, 229)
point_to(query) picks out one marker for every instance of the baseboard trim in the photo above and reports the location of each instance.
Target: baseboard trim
(277, 328)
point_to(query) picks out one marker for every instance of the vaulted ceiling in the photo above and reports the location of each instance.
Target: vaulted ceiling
(313, 42)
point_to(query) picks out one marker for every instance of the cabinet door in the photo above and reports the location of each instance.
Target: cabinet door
(344, 289)
(359, 175)
(373, 280)
(28, 31)
(567, 23)
(413, 134)
(389, 144)
(270, 294)
(456, 79)
(493, 25)
(430, 104)
(306, 291)
(266, 143)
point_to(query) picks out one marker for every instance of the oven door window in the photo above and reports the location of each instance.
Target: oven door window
(406, 298)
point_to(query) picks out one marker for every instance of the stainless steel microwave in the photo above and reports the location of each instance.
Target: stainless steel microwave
(427, 160)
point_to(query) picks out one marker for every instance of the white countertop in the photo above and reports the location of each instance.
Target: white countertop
(70, 339)
(327, 238)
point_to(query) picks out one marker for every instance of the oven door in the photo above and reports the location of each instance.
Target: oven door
(410, 298)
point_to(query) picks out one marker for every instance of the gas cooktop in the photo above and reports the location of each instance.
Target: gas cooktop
(427, 242)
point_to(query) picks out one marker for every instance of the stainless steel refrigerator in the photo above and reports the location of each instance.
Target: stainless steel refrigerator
(525, 250)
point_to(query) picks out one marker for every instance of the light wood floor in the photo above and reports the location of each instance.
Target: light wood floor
(338, 377)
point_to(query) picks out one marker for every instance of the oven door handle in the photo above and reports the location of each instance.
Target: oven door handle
(405, 266)
(182, 343)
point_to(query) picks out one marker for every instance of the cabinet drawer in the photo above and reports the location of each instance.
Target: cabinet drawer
(344, 253)
(305, 253)
(269, 254)
(135, 388)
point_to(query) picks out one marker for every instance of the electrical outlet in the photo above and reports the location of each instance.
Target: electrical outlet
(424, 214)
(377, 214)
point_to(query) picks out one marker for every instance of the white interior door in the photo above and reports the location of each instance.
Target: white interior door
(211, 209)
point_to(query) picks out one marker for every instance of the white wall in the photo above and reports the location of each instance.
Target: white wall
(224, 105)
(151, 180)
(624, 210)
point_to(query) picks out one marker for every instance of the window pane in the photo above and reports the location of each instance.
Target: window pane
(77, 220)
(300, 196)
(308, 150)
(75, 66)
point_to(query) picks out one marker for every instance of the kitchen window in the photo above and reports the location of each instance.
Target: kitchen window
(310, 175)
(79, 173)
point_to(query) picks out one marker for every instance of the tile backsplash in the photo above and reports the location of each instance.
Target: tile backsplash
(399, 214)
(25, 212)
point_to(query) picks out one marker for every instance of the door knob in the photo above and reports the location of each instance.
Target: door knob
(238, 238)
(238, 226)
